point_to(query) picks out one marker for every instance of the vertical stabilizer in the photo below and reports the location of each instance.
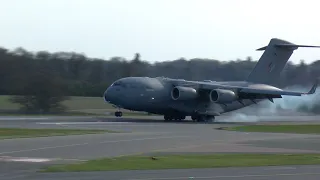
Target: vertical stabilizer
(272, 61)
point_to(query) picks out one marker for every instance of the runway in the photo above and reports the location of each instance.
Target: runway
(252, 173)
(21, 158)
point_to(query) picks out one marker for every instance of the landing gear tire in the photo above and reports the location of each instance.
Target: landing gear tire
(118, 113)
(167, 118)
(180, 118)
(202, 118)
(175, 118)
(194, 118)
(208, 119)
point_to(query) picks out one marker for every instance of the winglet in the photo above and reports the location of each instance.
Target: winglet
(314, 87)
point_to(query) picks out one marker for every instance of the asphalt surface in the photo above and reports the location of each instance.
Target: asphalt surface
(261, 173)
(21, 158)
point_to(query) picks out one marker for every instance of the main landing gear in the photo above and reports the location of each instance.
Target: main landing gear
(194, 117)
(174, 117)
(202, 118)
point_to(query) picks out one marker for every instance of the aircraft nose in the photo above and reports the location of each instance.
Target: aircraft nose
(108, 95)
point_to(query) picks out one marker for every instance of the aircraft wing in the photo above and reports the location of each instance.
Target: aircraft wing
(259, 90)
(277, 92)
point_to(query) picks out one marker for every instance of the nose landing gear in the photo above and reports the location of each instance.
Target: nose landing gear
(118, 113)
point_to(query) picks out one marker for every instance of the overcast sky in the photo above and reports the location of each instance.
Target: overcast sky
(160, 29)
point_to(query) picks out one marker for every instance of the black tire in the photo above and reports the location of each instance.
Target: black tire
(118, 113)
(168, 118)
(194, 118)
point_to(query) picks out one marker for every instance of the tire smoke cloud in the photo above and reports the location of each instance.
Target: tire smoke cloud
(281, 108)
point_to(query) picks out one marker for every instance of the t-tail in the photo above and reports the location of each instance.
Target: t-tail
(273, 60)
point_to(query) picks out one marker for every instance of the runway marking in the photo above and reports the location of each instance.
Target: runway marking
(81, 144)
(35, 159)
(79, 123)
(24, 159)
(98, 123)
(235, 176)
(23, 118)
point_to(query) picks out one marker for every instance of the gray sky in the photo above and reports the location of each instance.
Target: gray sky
(160, 29)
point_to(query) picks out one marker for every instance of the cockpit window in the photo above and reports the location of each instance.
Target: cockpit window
(118, 83)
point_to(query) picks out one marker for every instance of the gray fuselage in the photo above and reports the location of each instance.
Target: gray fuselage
(153, 95)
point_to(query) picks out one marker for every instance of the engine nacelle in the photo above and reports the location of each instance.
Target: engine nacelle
(183, 93)
(222, 96)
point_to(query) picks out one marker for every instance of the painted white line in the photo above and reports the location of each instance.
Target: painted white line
(30, 160)
(97, 123)
(23, 118)
(82, 144)
(79, 123)
(34, 159)
(24, 159)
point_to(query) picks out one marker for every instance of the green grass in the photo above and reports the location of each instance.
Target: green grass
(6, 104)
(75, 105)
(300, 129)
(188, 161)
(9, 133)
(78, 103)
(68, 113)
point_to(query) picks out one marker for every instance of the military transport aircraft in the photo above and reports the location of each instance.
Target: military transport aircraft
(203, 100)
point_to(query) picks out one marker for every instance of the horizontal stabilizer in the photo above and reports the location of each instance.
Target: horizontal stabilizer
(288, 46)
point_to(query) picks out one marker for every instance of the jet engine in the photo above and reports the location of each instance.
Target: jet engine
(183, 93)
(222, 96)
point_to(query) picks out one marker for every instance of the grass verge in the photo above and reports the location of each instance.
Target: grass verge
(89, 114)
(76, 106)
(9, 133)
(18, 114)
(301, 129)
(187, 161)
(73, 103)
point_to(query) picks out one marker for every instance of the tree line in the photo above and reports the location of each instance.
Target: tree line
(40, 80)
